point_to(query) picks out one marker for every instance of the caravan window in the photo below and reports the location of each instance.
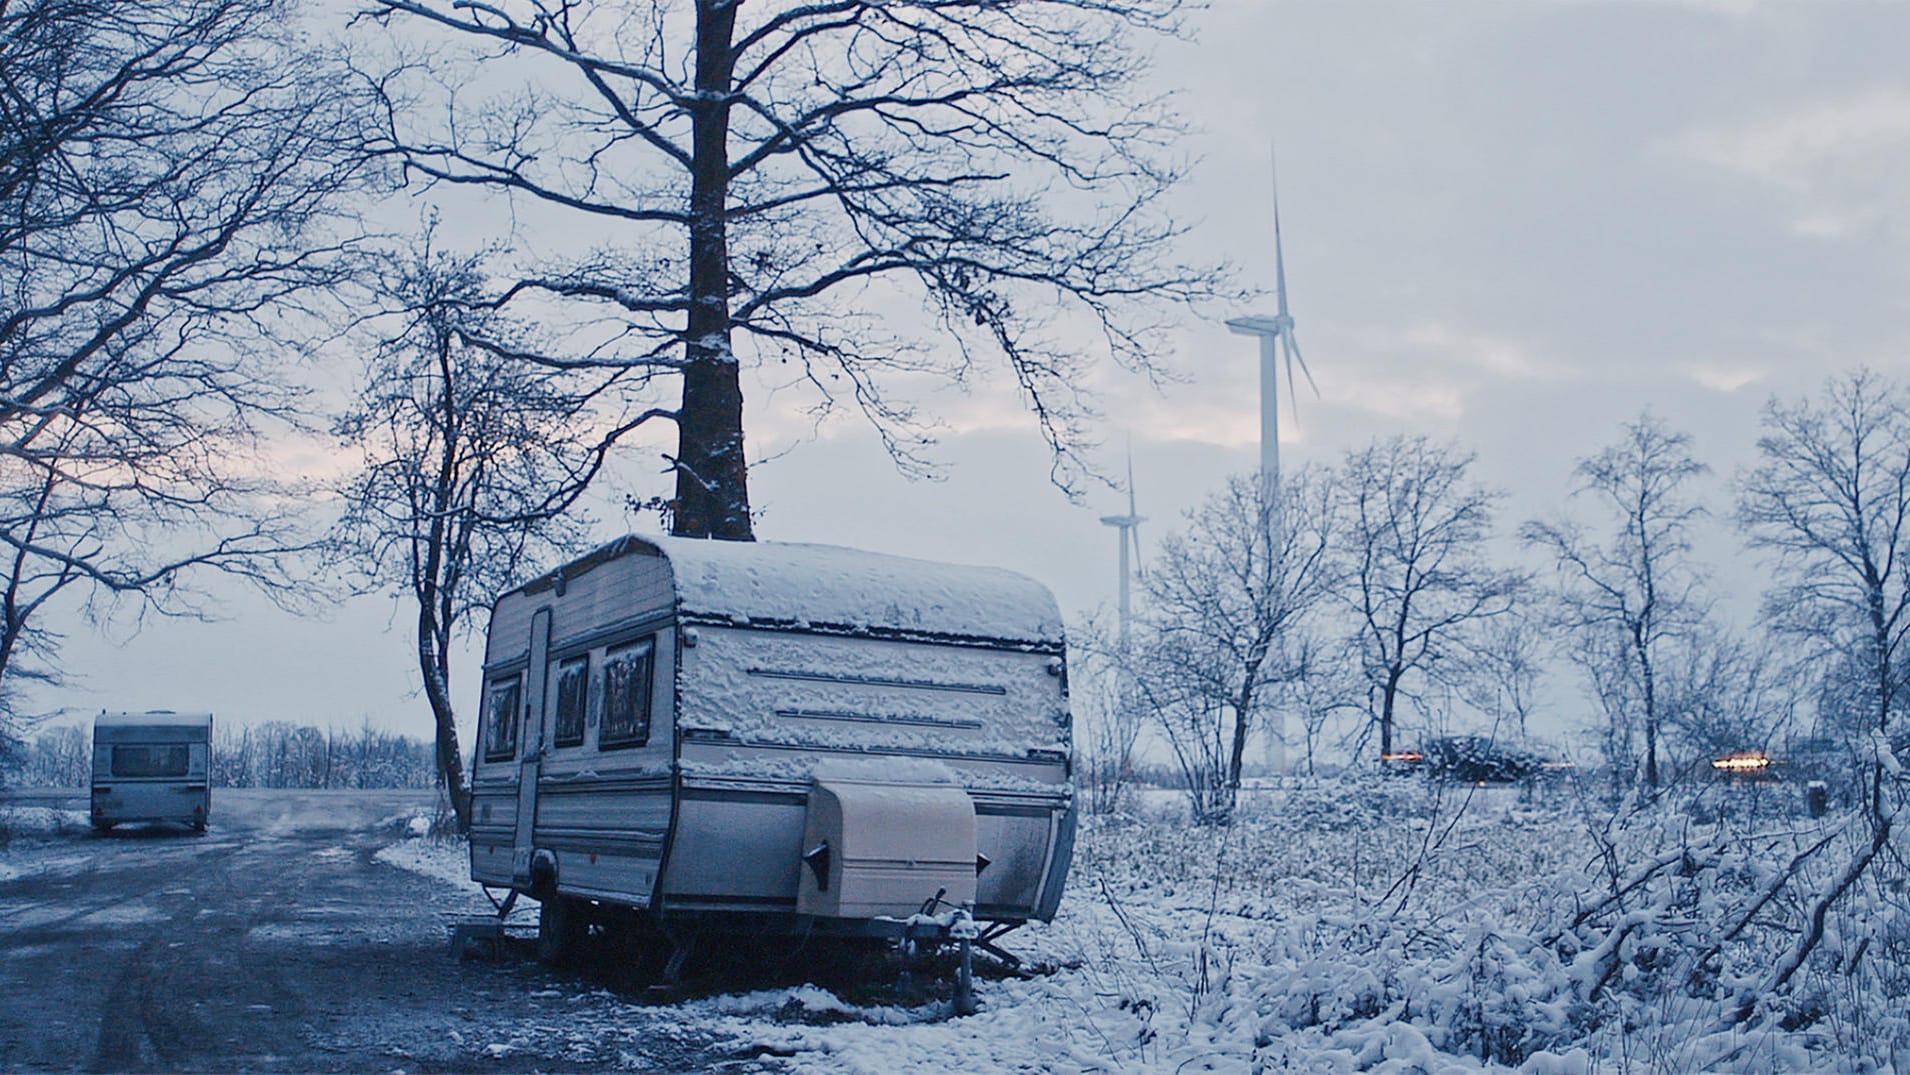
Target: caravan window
(626, 716)
(572, 678)
(500, 719)
(167, 759)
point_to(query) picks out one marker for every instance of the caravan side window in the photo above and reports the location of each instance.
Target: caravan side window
(573, 695)
(626, 715)
(501, 706)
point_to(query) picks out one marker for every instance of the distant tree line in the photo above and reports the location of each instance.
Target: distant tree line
(274, 754)
(1379, 604)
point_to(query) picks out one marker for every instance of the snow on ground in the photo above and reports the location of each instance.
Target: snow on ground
(1386, 926)
(446, 860)
(34, 838)
(42, 821)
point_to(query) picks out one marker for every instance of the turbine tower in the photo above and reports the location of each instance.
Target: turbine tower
(1276, 343)
(1130, 527)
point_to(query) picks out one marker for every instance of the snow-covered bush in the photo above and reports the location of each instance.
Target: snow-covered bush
(1375, 919)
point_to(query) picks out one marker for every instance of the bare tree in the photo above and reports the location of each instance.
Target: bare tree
(1723, 694)
(791, 181)
(1633, 578)
(282, 754)
(1328, 691)
(1831, 502)
(60, 756)
(169, 180)
(1507, 656)
(1110, 713)
(1415, 529)
(1227, 601)
(474, 458)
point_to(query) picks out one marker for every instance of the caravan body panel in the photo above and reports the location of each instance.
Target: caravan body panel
(774, 671)
(597, 799)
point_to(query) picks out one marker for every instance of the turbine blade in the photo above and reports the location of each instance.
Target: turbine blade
(1130, 480)
(1140, 564)
(1293, 393)
(1293, 351)
(1279, 255)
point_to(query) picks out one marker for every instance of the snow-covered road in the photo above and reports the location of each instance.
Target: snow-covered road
(278, 942)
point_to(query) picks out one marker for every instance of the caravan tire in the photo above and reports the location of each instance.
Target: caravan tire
(561, 928)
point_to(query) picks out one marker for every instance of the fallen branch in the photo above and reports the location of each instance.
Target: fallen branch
(1133, 933)
(1637, 880)
(1777, 885)
(1794, 959)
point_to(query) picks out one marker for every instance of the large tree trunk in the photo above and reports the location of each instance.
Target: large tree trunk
(712, 477)
(1243, 707)
(1388, 695)
(434, 666)
(436, 605)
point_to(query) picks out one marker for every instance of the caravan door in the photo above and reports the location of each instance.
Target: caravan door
(531, 751)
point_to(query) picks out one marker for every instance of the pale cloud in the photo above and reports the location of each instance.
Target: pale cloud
(1495, 355)
(1428, 370)
(1223, 423)
(1789, 147)
(1406, 398)
(1722, 378)
(1821, 222)
(1842, 159)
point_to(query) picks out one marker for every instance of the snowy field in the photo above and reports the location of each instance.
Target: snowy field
(1386, 926)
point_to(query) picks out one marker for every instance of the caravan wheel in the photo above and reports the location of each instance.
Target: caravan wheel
(562, 926)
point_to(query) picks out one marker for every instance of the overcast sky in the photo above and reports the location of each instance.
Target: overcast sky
(1516, 224)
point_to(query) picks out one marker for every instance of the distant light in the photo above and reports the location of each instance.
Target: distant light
(1404, 755)
(1744, 761)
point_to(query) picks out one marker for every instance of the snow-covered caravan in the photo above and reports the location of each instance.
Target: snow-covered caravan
(757, 735)
(152, 766)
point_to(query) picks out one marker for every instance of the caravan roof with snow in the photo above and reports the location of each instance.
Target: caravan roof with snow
(830, 589)
(154, 718)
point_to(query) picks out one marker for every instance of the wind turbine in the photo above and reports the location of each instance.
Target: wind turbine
(1276, 342)
(1130, 528)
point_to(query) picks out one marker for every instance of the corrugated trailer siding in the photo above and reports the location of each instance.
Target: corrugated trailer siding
(493, 825)
(622, 590)
(765, 711)
(605, 814)
(509, 637)
(607, 834)
(629, 588)
(738, 842)
(736, 849)
(871, 694)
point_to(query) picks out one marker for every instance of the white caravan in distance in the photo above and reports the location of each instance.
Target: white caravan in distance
(152, 766)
